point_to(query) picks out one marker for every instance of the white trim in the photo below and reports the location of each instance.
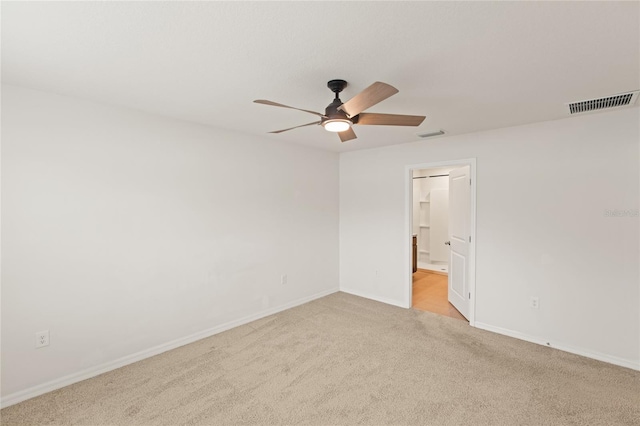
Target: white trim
(372, 297)
(562, 347)
(88, 373)
(408, 198)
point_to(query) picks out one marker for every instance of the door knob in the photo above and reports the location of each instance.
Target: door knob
(447, 243)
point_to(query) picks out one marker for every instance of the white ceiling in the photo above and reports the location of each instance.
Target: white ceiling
(467, 66)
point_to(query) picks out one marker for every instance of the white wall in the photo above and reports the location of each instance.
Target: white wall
(542, 192)
(123, 231)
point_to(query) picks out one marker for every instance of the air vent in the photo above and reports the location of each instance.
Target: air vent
(431, 134)
(623, 99)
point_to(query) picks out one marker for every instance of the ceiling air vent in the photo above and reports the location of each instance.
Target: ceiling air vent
(623, 99)
(430, 134)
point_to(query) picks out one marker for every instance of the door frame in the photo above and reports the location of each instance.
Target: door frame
(408, 215)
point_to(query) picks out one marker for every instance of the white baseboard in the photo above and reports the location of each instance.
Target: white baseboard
(563, 347)
(372, 297)
(88, 373)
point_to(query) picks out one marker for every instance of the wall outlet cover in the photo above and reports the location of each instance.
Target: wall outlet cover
(534, 303)
(42, 339)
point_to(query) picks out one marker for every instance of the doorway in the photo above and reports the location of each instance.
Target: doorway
(431, 218)
(440, 215)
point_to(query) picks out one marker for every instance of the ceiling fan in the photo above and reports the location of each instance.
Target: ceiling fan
(340, 117)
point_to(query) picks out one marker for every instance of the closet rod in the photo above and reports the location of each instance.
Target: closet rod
(424, 177)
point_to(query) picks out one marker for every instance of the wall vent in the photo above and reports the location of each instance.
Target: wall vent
(623, 99)
(431, 134)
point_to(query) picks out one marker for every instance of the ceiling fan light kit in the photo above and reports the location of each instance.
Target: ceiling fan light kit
(337, 124)
(339, 117)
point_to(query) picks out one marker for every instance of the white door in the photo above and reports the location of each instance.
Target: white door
(459, 235)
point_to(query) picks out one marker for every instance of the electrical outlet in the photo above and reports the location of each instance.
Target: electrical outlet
(42, 339)
(284, 279)
(534, 303)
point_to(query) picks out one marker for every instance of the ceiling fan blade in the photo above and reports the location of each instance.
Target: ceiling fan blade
(347, 135)
(265, 102)
(370, 96)
(390, 119)
(291, 128)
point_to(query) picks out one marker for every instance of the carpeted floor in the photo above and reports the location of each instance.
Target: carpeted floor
(347, 360)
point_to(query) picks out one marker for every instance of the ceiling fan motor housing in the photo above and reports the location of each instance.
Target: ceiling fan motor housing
(332, 111)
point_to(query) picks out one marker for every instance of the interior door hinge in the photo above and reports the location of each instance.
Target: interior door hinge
(469, 238)
(469, 295)
(469, 181)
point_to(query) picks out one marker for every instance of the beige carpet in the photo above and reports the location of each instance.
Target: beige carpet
(347, 360)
